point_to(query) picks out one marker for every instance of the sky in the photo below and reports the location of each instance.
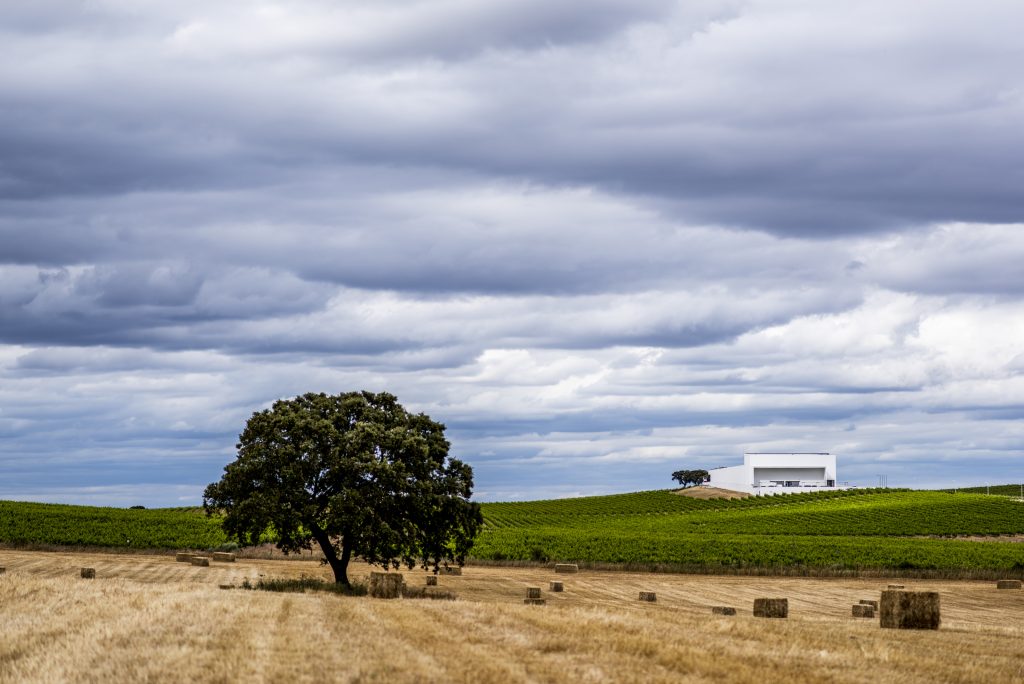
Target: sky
(600, 241)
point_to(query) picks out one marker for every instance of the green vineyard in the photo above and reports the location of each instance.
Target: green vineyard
(891, 530)
(852, 530)
(744, 552)
(640, 503)
(853, 513)
(60, 525)
(1016, 490)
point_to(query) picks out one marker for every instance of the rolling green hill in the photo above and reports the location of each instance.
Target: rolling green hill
(61, 525)
(851, 513)
(1002, 490)
(847, 531)
(820, 533)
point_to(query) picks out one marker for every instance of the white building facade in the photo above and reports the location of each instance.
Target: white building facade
(778, 473)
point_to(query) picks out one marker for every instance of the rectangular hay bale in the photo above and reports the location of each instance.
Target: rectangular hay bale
(3, 570)
(649, 596)
(569, 568)
(88, 573)
(223, 557)
(451, 570)
(1008, 584)
(555, 586)
(723, 610)
(431, 580)
(910, 610)
(863, 611)
(201, 561)
(386, 585)
(184, 557)
(533, 592)
(869, 602)
(771, 607)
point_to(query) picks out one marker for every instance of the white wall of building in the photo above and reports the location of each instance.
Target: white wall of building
(783, 473)
(764, 473)
(736, 478)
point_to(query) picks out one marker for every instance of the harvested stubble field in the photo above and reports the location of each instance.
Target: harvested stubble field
(148, 618)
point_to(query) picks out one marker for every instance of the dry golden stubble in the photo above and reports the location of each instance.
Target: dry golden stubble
(142, 619)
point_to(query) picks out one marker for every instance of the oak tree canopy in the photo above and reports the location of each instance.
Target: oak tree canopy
(355, 473)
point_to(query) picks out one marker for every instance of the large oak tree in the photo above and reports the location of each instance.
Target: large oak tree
(355, 473)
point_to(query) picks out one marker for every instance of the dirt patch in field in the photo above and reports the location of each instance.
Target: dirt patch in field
(711, 493)
(1009, 538)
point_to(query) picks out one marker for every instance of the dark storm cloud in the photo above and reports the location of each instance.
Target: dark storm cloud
(479, 238)
(369, 270)
(56, 158)
(106, 100)
(142, 303)
(763, 116)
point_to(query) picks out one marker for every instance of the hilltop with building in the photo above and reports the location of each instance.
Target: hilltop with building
(771, 473)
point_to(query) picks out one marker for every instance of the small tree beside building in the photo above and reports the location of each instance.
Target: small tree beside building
(690, 478)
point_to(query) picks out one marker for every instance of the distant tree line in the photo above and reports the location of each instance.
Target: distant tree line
(689, 478)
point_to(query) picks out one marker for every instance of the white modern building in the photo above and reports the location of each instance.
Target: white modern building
(778, 473)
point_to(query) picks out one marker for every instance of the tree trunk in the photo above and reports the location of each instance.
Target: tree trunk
(346, 556)
(338, 565)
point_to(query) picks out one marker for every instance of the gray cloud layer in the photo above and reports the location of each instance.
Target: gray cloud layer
(597, 240)
(766, 115)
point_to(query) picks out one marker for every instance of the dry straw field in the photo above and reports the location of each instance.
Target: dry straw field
(150, 619)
